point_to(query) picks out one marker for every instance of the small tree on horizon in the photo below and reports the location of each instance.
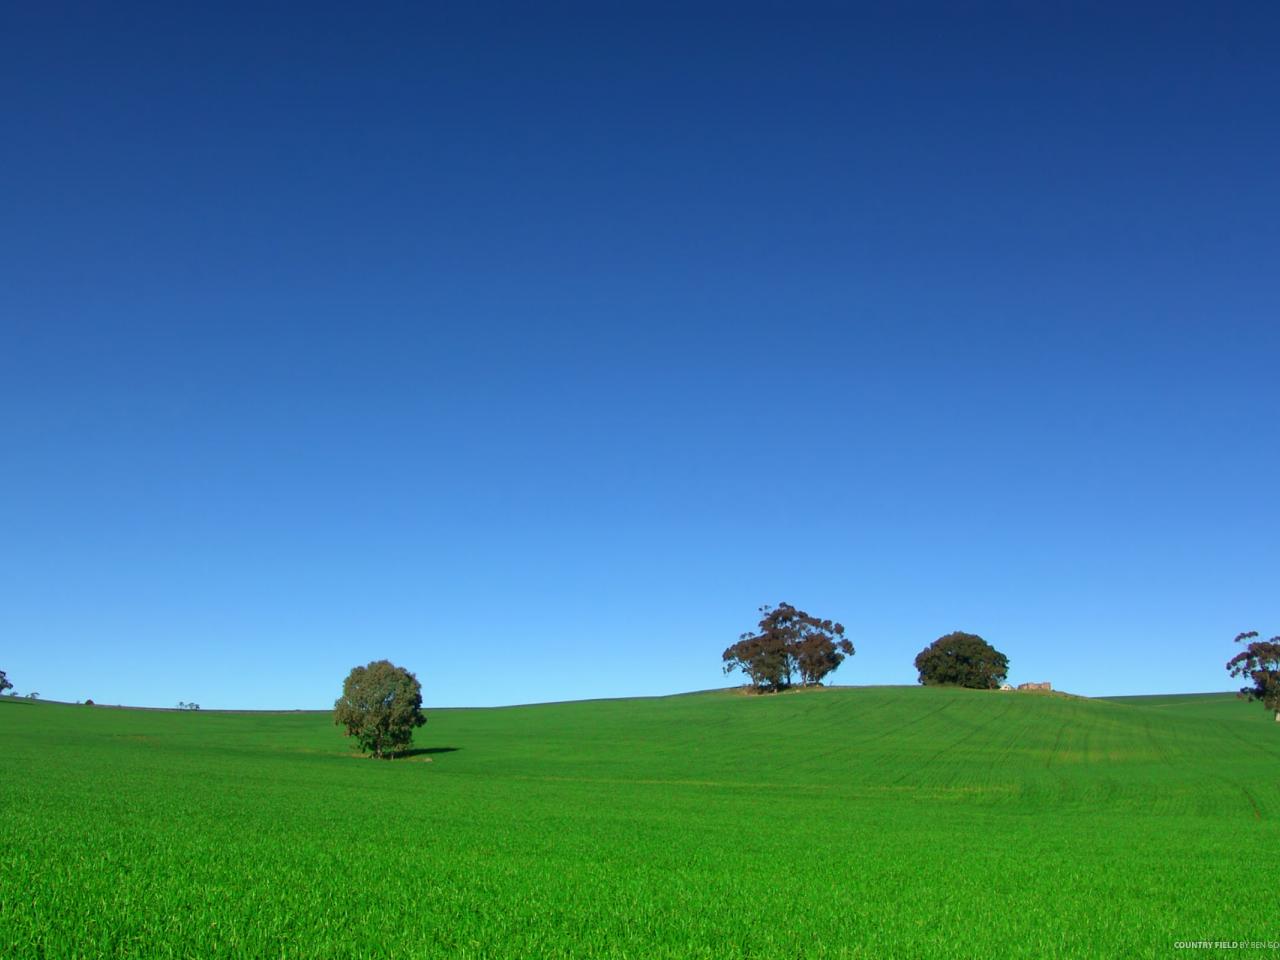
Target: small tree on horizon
(4, 683)
(962, 660)
(788, 642)
(380, 706)
(1259, 663)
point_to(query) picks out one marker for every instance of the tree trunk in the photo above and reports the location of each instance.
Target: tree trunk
(1278, 716)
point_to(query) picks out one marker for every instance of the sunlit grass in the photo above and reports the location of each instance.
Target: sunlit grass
(861, 823)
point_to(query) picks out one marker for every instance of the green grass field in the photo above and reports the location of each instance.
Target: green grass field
(880, 822)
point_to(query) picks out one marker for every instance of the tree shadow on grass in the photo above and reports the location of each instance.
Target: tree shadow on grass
(422, 752)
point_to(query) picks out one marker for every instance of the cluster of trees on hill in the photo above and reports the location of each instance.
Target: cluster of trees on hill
(790, 643)
(4, 682)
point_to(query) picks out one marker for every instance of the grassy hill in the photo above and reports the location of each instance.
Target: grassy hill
(867, 822)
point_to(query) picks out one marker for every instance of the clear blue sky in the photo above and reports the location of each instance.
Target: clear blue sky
(534, 349)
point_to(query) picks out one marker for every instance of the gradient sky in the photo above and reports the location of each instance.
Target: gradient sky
(533, 349)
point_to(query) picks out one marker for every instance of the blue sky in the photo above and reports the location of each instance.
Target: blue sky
(534, 349)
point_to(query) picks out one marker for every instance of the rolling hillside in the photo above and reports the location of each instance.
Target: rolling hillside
(848, 822)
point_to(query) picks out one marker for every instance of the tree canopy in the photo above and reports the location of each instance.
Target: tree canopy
(1259, 663)
(962, 660)
(4, 682)
(380, 706)
(788, 642)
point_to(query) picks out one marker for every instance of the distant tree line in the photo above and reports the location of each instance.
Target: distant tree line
(6, 687)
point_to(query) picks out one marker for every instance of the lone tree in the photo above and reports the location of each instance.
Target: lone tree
(962, 660)
(1259, 663)
(4, 683)
(380, 705)
(788, 642)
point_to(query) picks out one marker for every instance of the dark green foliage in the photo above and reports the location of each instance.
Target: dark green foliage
(788, 642)
(962, 660)
(1259, 663)
(4, 683)
(380, 706)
